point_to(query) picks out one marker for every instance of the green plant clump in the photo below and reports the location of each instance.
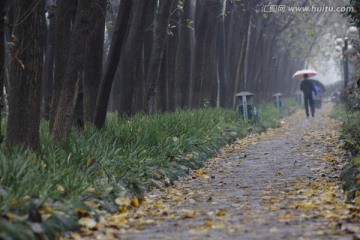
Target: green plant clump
(348, 112)
(126, 157)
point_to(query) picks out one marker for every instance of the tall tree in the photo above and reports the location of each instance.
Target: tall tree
(74, 68)
(131, 57)
(2, 59)
(205, 32)
(25, 77)
(94, 60)
(185, 55)
(48, 71)
(167, 82)
(65, 12)
(161, 31)
(112, 62)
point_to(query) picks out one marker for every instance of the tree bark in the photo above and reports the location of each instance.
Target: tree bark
(79, 41)
(198, 77)
(2, 61)
(25, 77)
(144, 58)
(185, 56)
(112, 62)
(172, 44)
(94, 60)
(130, 58)
(64, 16)
(161, 27)
(48, 70)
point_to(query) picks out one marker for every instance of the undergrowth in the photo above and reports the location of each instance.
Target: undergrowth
(348, 112)
(40, 195)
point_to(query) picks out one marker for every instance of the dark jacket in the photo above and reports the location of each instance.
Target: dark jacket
(307, 87)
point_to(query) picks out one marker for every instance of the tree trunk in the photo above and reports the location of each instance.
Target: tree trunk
(185, 56)
(2, 61)
(130, 58)
(143, 59)
(79, 40)
(210, 71)
(198, 70)
(48, 70)
(25, 77)
(171, 51)
(64, 15)
(94, 60)
(161, 27)
(112, 62)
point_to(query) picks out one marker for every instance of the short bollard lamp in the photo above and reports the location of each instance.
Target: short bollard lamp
(245, 106)
(298, 97)
(278, 100)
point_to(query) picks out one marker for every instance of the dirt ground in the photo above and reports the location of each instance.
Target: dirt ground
(281, 184)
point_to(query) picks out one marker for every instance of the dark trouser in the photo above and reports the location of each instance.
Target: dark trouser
(308, 100)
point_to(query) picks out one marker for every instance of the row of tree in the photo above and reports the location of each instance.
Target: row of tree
(71, 61)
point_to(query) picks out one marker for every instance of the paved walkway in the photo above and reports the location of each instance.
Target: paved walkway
(282, 184)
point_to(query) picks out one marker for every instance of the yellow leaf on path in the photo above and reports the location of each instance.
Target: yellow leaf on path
(273, 208)
(273, 230)
(247, 213)
(219, 225)
(285, 216)
(332, 216)
(124, 209)
(209, 223)
(199, 173)
(135, 202)
(118, 219)
(82, 211)
(158, 206)
(87, 222)
(123, 201)
(190, 214)
(221, 212)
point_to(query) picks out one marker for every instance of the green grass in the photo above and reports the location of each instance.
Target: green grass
(350, 134)
(126, 157)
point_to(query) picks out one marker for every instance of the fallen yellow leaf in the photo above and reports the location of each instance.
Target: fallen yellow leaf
(82, 211)
(87, 222)
(123, 201)
(135, 202)
(199, 173)
(9, 216)
(190, 214)
(221, 212)
(285, 216)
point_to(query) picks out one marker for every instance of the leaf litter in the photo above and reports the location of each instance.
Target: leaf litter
(280, 184)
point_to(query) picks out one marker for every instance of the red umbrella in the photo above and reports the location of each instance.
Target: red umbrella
(299, 75)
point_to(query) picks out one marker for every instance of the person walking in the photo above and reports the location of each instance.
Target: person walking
(307, 87)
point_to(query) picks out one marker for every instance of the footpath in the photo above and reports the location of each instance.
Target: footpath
(281, 184)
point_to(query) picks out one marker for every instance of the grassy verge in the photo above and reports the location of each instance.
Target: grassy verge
(43, 195)
(350, 134)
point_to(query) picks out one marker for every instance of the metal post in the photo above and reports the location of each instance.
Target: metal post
(277, 99)
(346, 63)
(245, 110)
